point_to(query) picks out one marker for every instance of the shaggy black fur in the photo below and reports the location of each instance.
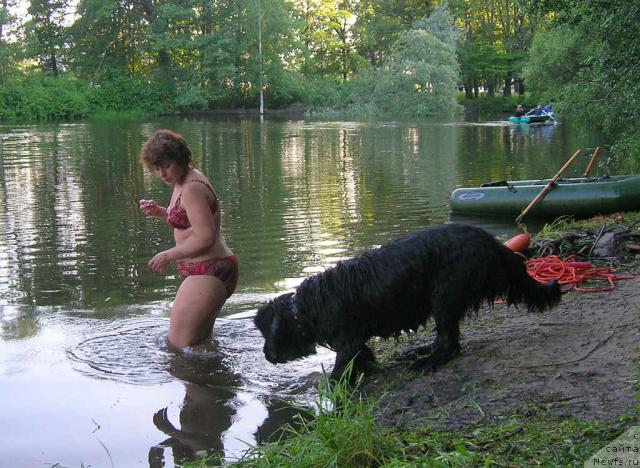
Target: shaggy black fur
(440, 272)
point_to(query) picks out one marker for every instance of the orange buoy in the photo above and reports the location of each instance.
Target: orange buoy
(518, 243)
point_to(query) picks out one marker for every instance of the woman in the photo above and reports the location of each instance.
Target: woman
(208, 267)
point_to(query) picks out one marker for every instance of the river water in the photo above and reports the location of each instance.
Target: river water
(85, 375)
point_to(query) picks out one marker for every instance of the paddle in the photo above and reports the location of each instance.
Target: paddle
(594, 156)
(548, 187)
(549, 115)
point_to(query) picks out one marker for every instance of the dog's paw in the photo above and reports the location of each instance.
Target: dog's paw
(416, 353)
(435, 360)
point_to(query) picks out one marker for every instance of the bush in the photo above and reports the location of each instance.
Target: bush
(39, 97)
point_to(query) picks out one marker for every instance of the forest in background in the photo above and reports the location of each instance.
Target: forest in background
(405, 58)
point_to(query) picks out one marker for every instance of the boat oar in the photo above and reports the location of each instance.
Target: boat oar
(594, 156)
(549, 115)
(548, 187)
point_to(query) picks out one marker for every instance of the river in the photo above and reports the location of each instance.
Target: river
(85, 374)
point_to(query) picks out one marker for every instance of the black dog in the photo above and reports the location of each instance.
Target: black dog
(440, 272)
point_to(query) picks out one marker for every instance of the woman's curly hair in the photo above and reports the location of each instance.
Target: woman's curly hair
(165, 147)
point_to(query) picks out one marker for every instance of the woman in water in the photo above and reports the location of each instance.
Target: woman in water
(208, 267)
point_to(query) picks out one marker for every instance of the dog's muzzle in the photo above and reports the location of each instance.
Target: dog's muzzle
(270, 355)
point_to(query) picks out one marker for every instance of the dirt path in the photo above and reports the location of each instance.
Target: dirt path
(581, 358)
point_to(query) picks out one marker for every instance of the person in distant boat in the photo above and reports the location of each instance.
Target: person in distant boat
(208, 267)
(519, 111)
(537, 111)
(548, 109)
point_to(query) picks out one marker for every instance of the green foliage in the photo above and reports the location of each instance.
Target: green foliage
(343, 432)
(9, 52)
(47, 32)
(441, 26)
(107, 35)
(420, 77)
(498, 106)
(495, 42)
(41, 97)
(594, 47)
(556, 58)
(378, 25)
(117, 92)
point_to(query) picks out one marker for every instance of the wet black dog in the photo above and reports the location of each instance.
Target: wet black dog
(441, 272)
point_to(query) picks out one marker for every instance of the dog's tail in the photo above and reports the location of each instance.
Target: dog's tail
(536, 296)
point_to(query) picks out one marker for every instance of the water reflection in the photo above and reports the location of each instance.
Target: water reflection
(205, 414)
(216, 416)
(71, 232)
(18, 323)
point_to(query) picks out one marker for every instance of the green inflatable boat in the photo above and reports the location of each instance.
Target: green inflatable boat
(528, 119)
(580, 197)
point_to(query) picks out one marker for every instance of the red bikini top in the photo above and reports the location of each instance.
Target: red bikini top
(177, 216)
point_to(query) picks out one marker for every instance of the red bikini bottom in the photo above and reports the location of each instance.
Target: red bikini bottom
(225, 269)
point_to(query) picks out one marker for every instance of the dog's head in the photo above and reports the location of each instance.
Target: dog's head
(285, 334)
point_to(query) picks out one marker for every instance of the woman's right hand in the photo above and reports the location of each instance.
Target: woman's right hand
(150, 208)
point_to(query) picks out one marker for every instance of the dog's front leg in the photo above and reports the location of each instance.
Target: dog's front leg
(362, 358)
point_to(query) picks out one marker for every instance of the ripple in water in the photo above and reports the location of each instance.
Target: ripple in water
(130, 350)
(133, 350)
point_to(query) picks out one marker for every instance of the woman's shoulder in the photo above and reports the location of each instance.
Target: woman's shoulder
(197, 185)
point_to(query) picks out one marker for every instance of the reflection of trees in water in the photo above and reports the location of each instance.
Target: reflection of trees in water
(18, 323)
(208, 410)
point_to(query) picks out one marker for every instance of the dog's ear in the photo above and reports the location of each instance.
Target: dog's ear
(269, 316)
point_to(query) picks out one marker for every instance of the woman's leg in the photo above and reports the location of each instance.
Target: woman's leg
(195, 308)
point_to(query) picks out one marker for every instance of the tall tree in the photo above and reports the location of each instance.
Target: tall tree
(47, 30)
(421, 75)
(108, 35)
(5, 47)
(379, 24)
(496, 37)
(596, 50)
(328, 37)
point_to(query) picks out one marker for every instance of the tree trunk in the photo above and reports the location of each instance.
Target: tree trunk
(4, 8)
(53, 62)
(507, 87)
(520, 87)
(468, 89)
(260, 80)
(164, 61)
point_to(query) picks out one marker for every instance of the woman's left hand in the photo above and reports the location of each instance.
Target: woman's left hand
(159, 261)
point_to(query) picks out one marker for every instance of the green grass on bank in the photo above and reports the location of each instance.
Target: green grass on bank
(344, 433)
(565, 225)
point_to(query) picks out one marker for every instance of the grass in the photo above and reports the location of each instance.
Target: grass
(344, 433)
